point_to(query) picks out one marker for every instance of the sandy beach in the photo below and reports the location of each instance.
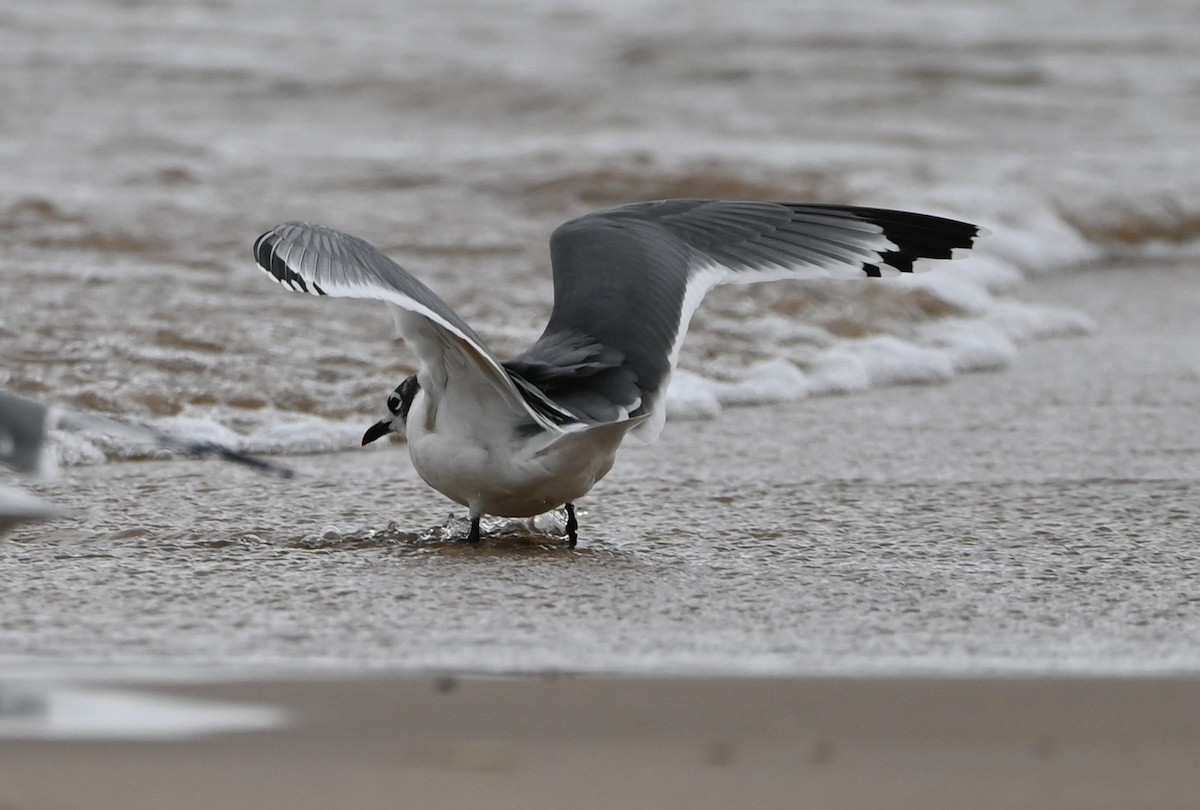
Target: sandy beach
(597, 742)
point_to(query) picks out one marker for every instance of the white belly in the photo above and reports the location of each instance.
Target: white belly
(467, 446)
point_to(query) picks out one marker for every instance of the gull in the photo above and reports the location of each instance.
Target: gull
(520, 437)
(25, 425)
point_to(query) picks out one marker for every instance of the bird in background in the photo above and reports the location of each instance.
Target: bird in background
(25, 426)
(523, 436)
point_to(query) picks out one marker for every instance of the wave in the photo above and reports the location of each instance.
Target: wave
(748, 346)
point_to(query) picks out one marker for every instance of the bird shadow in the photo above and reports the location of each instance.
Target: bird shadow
(500, 537)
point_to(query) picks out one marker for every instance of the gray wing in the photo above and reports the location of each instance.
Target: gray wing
(627, 281)
(23, 427)
(322, 261)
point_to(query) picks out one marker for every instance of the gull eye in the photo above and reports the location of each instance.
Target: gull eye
(394, 402)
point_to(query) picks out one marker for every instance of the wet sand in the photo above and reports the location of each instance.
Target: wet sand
(1041, 519)
(596, 742)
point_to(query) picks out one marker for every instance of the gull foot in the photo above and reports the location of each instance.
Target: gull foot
(572, 526)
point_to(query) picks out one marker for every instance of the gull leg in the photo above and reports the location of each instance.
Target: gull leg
(572, 526)
(473, 535)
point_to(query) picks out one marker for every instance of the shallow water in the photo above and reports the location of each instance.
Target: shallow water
(1039, 518)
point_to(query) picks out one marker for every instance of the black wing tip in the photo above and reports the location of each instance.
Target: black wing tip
(918, 236)
(266, 254)
(264, 247)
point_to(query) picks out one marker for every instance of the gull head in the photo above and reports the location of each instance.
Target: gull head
(399, 403)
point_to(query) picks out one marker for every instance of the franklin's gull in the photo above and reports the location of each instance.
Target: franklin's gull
(25, 425)
(521, 437)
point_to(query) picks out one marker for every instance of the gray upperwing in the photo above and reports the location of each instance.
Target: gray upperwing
(619, 289)
(23, 427)
(627, 280)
